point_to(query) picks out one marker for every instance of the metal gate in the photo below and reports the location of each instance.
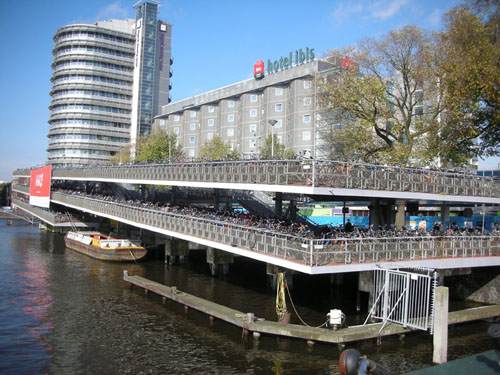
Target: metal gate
(405, 298)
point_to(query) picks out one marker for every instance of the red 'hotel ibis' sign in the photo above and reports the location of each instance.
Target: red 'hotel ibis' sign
(40, 186)
(258, 69)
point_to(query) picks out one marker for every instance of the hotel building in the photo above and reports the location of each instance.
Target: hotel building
(242, 114)
(109, 80)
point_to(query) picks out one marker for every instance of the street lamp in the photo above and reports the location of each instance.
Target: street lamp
(272, 122)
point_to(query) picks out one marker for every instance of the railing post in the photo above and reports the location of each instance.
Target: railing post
(313, 179)
(311, 247)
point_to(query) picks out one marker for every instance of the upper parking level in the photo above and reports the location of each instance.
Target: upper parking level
(318, 177)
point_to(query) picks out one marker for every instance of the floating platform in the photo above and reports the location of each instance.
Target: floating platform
(486, 363)
(249, 323)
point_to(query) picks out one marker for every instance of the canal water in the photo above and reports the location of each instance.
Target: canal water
(65, 313)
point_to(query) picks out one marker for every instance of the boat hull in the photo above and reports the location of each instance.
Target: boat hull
(118, 254)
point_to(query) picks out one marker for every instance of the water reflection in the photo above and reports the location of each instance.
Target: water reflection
(34, 289)
(70, 314)
(25, 300)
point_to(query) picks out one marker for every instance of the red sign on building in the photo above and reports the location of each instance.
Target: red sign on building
(40, 186)
(258, 69)
(347, 63)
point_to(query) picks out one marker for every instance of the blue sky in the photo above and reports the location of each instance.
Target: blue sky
(214, 43)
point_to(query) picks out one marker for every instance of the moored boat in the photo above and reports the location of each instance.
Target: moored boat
(100, 246)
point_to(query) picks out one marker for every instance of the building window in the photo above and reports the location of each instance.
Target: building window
(306, 136)
(230, 132)
(193, 114)
(253, 113)
(191, 139)
(210, 122)
(307, 101)
(230, 118)
(253, 98)
(252, 143)
(176, 130)
(307, 84)
(211, 108)
(278, 91)
(162, 122)
(210, 136)
(191, 153)
(279, 124)
(176, 118)
(278, 107)
(192, 126)
(307, 118)
(230, 104)
(252, 128)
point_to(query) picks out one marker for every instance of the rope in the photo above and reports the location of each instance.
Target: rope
(133, 257)
(298, 316)
(280, 297)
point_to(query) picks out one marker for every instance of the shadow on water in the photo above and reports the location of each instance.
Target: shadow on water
(76, 315)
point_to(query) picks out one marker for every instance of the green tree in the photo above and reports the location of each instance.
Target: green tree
(216, 149)
(159, 146)
(390, 102)
(470, 59)
(266, 152)
(122, 156)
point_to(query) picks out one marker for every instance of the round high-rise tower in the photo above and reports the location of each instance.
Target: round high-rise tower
(91, 92)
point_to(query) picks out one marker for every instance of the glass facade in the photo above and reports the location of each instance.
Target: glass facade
(154, 56)
(108, 81)
(91, 93)
(147, 12)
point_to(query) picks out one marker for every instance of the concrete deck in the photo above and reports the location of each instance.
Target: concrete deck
(246, 321)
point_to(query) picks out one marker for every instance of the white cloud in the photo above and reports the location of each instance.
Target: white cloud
(384, 10)
(434, 19)
(343, 11)
(113, 11)
(367, 9)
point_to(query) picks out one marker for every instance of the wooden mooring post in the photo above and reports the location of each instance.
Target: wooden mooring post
(440, 337)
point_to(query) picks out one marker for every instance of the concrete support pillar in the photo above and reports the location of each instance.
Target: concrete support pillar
(219, 261)
(278, 204)
(175, 249)
(272, 272)
(173, 192)
(440, 339)
(375, 214)
(390, 213)
(400, 214)
(216, 199)
(293, 211)
(365, 285)
(153, 193)
(229, 203)
(445, 215)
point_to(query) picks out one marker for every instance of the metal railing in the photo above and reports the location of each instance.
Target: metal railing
(307, 251)
(47, 216)
(313, 173)
(21, 188)
(404, 298)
